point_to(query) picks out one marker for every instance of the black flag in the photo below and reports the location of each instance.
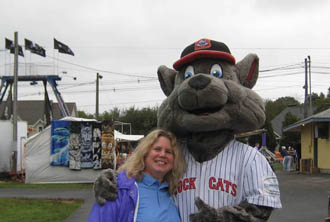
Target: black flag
(62, 48)
(34, 48)
(11, 47)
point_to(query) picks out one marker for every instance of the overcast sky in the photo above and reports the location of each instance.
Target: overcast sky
(125, 41)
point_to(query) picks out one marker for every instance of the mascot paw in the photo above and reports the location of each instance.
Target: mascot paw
(225, 214)
(235, 213)
(205, 213)
(105, 186)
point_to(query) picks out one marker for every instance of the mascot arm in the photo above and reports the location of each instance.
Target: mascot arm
(105, 186)
(242, 212)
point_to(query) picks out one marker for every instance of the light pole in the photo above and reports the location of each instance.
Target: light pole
(98, 76)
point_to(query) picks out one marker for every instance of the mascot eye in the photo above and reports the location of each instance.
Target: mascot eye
(216, 71)
(189, 72)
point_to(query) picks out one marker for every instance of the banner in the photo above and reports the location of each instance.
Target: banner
(86, 148)
(97, 145)
(34, 48)
(108, 154)
(10, 45)
(74, 144)
(62, 48)
(59, 153)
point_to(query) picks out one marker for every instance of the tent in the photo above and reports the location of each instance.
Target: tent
(7, 144)
(128, 138)
(37, 161)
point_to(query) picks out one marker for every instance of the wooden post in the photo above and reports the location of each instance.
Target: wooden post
(14, 150)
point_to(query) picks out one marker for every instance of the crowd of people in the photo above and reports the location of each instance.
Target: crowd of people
(290, 156)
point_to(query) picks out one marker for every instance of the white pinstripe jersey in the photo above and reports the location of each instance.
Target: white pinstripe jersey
(238, 173)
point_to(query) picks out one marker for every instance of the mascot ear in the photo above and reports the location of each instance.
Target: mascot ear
(248, 70)
(166, 77)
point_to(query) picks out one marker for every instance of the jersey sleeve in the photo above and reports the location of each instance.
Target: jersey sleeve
(260, 184)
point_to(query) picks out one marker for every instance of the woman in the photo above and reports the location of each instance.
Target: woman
(146, 182)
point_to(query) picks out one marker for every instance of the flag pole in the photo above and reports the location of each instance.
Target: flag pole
(57, 62)
(54, 61)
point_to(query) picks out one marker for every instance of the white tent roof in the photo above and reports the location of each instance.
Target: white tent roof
(119, 135)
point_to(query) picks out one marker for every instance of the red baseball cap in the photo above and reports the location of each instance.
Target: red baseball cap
(204, 48)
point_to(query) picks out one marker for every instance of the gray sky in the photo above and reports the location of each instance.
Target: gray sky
(126, 40)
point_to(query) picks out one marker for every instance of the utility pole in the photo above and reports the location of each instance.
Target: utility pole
(98, 76)
(14, 153)
(310, 86)
(306, 90)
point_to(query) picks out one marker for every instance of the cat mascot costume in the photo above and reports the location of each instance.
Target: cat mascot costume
(209, 100)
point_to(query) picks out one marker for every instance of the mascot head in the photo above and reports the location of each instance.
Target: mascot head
(209, 96)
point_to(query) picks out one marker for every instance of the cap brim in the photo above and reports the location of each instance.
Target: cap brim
(203, 54)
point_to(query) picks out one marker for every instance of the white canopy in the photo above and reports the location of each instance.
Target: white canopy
(124, 137)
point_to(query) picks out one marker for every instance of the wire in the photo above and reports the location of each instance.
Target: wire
(316, 72)
(99, 70)
(320, 67)
(145, 101)
(283, 68)
(278, 87)
(280, 75)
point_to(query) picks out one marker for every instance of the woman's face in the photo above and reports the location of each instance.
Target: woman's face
(160, 159)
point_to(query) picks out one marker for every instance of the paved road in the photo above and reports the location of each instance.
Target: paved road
(304, 198)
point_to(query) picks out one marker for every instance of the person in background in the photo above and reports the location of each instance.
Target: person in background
(257, 146)
(298, 156)
(146, 182)
(287, 159)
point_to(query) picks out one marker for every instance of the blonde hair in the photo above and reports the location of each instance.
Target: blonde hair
(135, 164)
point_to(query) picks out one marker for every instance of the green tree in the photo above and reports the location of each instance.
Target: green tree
(113, 114)
(142, 120)
(82, 114)
(272, 109)
(290, 138)
(320, 102)
(270, 136)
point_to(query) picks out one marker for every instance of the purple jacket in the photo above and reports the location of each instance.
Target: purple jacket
(123, 208)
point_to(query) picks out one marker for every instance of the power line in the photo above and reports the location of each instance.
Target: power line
(100, 70)
(144, 101)
(280, 75)
(292, 66)
(317, 72)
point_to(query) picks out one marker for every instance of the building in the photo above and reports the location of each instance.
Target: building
(315, 143)
(33, 111)
(277, 122)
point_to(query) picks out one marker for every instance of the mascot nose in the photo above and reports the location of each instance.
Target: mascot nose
(199, 82)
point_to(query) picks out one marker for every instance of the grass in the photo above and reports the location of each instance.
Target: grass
(278, 166)
(36, 210)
